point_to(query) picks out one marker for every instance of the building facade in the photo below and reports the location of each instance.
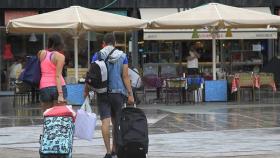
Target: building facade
(141, 48)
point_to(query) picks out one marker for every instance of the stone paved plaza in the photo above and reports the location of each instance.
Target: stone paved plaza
(206, 130)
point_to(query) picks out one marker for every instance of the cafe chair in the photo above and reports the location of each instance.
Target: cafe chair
(150, 69)
(246, 82)
(194, 88)
(232, 96)
(22, 94)
(71, 74)
(266, 81)
(168, 71)
(173, 88)
(151, 83)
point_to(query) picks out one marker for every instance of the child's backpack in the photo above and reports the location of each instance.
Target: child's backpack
(97, 75)
(32, 71)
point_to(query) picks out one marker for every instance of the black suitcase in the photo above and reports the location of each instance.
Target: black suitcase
(132, 139)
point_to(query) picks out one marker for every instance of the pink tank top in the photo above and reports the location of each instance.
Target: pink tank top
(48, 71)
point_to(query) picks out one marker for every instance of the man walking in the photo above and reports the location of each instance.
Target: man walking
(119, 89)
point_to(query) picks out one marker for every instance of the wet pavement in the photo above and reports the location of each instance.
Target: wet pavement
(24, 115)
(225, 117)
(201, 130)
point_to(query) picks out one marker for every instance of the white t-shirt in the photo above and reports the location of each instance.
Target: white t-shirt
(14, 70)
(193, 63)
(135, 78)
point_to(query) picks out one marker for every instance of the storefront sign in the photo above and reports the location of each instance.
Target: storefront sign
(14, 14)
(205, 35)
(257, 47)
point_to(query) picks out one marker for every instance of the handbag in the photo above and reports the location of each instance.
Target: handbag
(85, 122)
(31, 73)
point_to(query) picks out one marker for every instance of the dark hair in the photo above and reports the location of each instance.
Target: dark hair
(109, 39)
(55, 42)
(192, 48)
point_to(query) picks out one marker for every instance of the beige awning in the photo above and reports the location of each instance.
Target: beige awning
(214, 17)
(186, 34)
(153, 13)
(75, 20)
(217, 16)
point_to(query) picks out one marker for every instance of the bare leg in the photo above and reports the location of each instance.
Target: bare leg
(106, 133)
(114, 135)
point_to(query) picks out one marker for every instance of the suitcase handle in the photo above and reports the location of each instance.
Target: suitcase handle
(134, 105)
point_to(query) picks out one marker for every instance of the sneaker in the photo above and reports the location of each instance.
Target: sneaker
(114, 155)
(108, 156)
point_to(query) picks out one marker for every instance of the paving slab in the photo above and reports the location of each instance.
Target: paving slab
(204, 144)
(206, 130)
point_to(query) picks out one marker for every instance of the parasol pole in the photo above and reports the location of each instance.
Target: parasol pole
(88, 40)
(76, 57)
(76, 38)
(214, 57)
(214, 33)
(44, 40)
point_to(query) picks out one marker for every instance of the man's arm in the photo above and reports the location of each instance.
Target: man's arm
(127, 84)
(191, 57)
(196, 54)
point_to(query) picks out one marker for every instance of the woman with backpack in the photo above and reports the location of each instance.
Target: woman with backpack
(52, 84)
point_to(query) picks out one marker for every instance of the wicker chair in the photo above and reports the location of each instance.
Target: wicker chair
(246, 81)
(71, 74)
(22, 94)
(266, 80)
(174, 87)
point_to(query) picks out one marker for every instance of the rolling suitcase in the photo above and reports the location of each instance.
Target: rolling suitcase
(58, 131)
(132, 133)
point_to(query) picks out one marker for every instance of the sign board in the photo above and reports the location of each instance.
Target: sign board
(205, 35)
(14, 14)
(257, 47)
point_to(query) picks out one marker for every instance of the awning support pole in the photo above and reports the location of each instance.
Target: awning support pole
(214, 33)
(76, 57)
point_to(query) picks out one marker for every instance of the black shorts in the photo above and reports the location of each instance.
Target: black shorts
(49, 94)
(192, 71)
(110, 105)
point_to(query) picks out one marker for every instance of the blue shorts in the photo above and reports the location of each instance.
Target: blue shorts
(110, 105)
(49, 94)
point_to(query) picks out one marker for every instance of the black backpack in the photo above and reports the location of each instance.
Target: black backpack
(97, 75)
